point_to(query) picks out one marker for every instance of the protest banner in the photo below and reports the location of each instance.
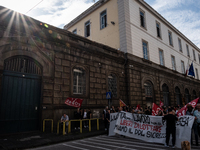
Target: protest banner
(74, 102)
(155, 109)
(121, 103)
(113, 119)
(152, 128)
(161, 104)
(183, 110)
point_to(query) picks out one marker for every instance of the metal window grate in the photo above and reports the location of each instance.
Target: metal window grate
(112, 85)
(23, 64)
(148, 89)
(79, 81)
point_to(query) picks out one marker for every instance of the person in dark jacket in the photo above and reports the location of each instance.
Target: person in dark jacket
(108, 120)
(170, 127)
(77, 115)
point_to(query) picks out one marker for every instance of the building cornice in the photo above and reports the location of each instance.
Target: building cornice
(85, 13)
(159, 16)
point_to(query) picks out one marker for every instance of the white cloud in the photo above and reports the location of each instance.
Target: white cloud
(54, 12)
(183, 15)
(63, 14)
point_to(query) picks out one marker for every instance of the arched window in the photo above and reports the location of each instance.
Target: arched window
(148, 93)
(79, 81)
(165, 91)
(178, 96)
(187, 96)
(112, 85)
(194, 95)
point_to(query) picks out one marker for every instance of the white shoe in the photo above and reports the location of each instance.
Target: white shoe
(166, 145)
(75, 128)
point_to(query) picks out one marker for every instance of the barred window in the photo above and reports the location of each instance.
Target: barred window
(148, 89)
(79, 81)
(112, 85)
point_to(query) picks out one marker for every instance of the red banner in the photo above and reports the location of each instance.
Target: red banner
(155, 109)
(138, 107)
(161, 104)
(183, 110)
(121, 103)
(74, 102)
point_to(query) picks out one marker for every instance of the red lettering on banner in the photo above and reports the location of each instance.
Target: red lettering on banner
(74, 102)
(126, 123)
(147, 127)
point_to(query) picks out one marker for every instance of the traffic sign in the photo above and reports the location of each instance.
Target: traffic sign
(108, 95)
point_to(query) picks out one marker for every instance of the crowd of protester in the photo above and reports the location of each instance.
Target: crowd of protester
(79, 114)
(169, 113)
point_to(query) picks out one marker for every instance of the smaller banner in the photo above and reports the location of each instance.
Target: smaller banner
(121, 103)
(161, 104)
(74, 102)
(138, 107)
(183, 110)
(155, 109)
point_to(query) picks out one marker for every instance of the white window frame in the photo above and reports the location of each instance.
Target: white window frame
(158, 29)
(182, 67)
(103, 19)
(170, 38)
(194, 55)
(197, 74)
(145, 50)
(78, 78)
(161, 57)
(173, 62)
(180, 45)
(87, 23)
(142, 17)
(74, 31)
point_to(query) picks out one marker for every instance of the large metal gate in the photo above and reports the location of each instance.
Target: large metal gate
(20, 100)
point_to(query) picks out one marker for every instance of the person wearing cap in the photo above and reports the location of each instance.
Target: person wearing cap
(170, 127)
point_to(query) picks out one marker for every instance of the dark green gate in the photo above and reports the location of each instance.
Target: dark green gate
(20, 100)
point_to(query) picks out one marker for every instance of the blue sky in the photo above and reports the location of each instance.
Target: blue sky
(183, 14)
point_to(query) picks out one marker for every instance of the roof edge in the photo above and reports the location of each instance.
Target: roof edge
(85, 13)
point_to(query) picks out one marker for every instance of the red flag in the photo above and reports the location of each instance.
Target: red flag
(155, 109)
(183, 110)
(121, 103)
(138, 107)
(161, 104)
(74, 102)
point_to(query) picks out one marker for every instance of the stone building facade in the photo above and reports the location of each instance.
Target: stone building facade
(38, 66)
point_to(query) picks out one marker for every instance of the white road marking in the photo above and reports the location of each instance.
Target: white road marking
(109, 145)
(113, 139)
(74, 147)
(125, 144)
(90, 145)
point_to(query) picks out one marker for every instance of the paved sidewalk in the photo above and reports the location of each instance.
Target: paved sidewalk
(35, 139)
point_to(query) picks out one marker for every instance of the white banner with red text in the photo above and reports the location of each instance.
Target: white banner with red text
(149, 128)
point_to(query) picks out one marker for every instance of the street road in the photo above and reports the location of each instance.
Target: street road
(104, 142)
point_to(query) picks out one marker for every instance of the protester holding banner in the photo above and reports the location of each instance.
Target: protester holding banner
(77, 115)
(104, 117)
(108, 120)
(197, 123)
(171, 127)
